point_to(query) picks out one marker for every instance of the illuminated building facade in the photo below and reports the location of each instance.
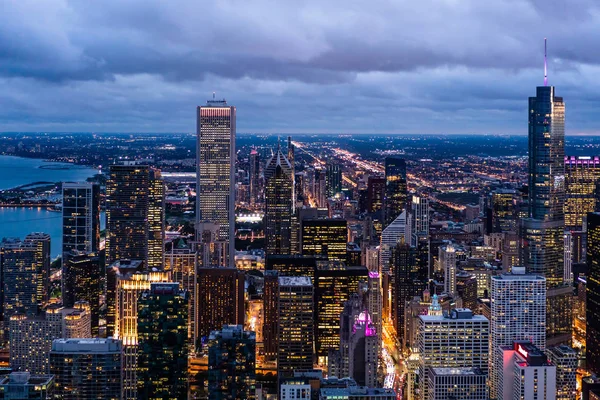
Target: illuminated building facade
(87, 368)
(457, 383)
(163, 342)
(279, 191)
(180, 260)
(135, 215)
(408, 280)
(518, 309)
(592, 294)
(395, 188)
(270, 312)
(565, 359)
(333, 285)
(333, 181)
(82, 281)
(418, 221)
(393, 234)
(325, 237)
(254, 176)
(129, 287)
(232, 363)
(293, 265)
(376, 187)
(215, 181)
(582, 174)
(296, 325)
(25, 274)
(220, 299)
(469, 335)
(80, 217)
(526, 373)
(503, 205)
(31, 337)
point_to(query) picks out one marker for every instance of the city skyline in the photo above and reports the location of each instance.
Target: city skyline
(311, 65)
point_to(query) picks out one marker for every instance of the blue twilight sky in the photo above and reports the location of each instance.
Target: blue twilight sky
(340, 66)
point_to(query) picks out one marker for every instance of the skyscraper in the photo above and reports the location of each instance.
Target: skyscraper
(565, 359)
(408, 280)
(254, 176)
(518, 309)
(163, 342)
(503, 206)
(87, 368)
(333, 286)
(215, 181)
(582, 175)
(135, 214)
(459, 339)
(333, 180)
(81, 217)
(592, 294)
(232, 364)
(279, 190)
(82, 279)
(418, 222)
(325, 237)
(395, 187)
(271, 314)
(296, 325)
(220, 299)
(25, 274)
(376, 187)
(31, 337)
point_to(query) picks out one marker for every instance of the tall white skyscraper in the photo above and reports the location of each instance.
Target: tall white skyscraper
(447, 257)
(215, 168)
(518, 310)
(457, 340)
(390, 237)
(419, 220)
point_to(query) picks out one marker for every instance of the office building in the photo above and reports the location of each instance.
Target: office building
(466, 289)
(325, 237)
(565, 359)
(31, 337)
(215, 182)
(270, 314)
(457, 383)
(503, 207)
(180, 260)
(526, 373)
(135, 200)
(333, 180)
(542, 249)
(418, 221)
(582, 174)
(447, 259)
(357, 354)
(129, 286)
(163, 342)
(293, 265)
(80, 217)
(279, 193)
(391, 236)
(232, 363)
(82, 278)
(518, 309)
(334, 283)
(395, 188)
(408, 279)
(25, 386)
(254, 177)
(221, 296)
(469, 335)
(376, 187)
(87, 368)
(25, 274)
(592, 295)
(296, 325)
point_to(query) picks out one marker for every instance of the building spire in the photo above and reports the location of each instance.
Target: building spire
(545, 64)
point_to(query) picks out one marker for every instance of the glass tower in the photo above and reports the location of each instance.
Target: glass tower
(279, 192)
(395, 187)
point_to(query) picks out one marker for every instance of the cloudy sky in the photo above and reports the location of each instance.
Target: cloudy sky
(340, 66)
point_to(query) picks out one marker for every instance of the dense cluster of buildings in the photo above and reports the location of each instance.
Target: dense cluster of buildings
(363, 290)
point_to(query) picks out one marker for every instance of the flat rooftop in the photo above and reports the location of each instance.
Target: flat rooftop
(457, 371)
(295, 281)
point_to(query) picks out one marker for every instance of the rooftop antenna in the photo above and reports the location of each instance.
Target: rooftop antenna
(545, 64)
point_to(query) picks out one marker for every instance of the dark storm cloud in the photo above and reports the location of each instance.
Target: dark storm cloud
(427, 66)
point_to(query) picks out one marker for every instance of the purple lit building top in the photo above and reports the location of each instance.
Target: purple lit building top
(374, 274)
(364, 319)
(582, 160)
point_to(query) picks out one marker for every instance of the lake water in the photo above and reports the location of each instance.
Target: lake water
(20, 221)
